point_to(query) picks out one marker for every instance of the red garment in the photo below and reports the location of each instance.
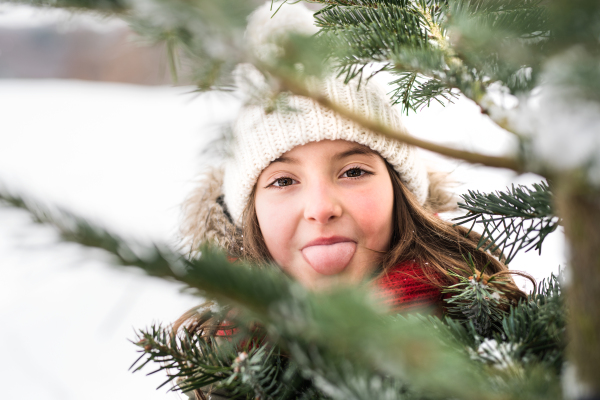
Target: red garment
(407, 287)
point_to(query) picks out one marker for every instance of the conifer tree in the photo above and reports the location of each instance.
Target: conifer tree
(546, 55)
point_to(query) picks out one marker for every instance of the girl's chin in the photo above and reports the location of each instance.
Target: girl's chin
(329, 259)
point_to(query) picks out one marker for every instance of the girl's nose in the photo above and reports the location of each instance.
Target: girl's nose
(322, 204)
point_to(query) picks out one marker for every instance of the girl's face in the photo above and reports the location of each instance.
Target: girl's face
(325, 211)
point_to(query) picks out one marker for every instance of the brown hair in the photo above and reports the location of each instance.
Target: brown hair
(418, 234)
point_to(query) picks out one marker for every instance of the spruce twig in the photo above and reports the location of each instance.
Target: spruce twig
(192, 360)
(513, 220)
(476, 301)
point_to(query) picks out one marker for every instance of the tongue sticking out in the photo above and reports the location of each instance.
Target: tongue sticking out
(329, 259)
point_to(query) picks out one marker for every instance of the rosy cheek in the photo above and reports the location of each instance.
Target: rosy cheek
(277, 224)
(372, 210)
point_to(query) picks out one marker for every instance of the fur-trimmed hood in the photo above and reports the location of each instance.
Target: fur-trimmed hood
(206, 219)
(205, 216)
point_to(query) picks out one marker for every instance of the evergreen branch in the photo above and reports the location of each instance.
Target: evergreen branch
(413, 91)
(436, 31)
(499, 38)
(342, 323)
(337, 340)
(364, 35)
(198, 362)
(212, 273)
(520, 218)
(528, 352)
(193, 361)
(297, 88)
(361, 36)
(360, 3)
(538, 326)
(525, 350)
(255, 371)
(407, 37)
(521, 358)
(477, 302)
(342, 380)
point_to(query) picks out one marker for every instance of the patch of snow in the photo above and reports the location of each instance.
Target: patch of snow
(564, 130)
(498, 354)
(124, 156)
(559, 119)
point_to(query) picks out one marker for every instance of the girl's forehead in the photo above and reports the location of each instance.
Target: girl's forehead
(325, 150)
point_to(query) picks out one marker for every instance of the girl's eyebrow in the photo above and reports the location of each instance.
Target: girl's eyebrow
(354, 151)
(286, 160)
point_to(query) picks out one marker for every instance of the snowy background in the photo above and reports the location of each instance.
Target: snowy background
(126, 156)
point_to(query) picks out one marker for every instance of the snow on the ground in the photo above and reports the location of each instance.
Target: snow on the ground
(126, 156)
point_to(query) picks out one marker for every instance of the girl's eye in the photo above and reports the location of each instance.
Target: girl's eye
(354, 173)
(281, 182)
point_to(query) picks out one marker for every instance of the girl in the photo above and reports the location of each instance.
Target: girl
(327, 200)
(330, 202)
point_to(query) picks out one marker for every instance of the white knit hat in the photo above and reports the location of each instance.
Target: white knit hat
(260, 138)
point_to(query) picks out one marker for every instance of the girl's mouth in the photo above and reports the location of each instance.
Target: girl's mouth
(329, 256)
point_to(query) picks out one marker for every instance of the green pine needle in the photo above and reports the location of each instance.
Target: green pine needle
(517, 219)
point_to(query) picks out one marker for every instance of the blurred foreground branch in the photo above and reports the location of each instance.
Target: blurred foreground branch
(293, 86)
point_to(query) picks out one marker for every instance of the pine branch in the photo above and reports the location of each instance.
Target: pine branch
(292, 85)
(527, 354)
(519, 219)
(524, 352)
(372, 33)
(197, 362)
(212, 273)
(357, 3)
(500, 38)
(538, 326)
(192, 361)
(335, 339)
(254, 370)
(341, 380)
(380, 32)
(413, 91)
(343, 323)
(522, 340)
(476, 301)
(483, 33)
